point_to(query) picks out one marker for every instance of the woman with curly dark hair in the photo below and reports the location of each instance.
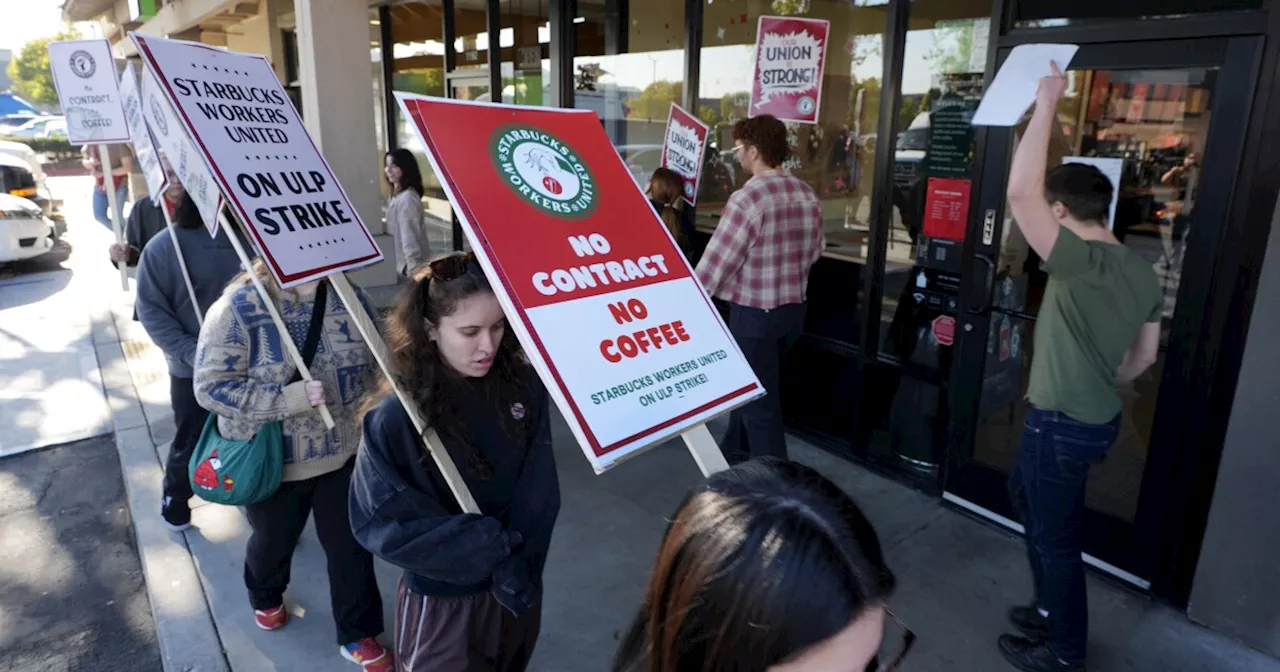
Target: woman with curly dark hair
(766, 567)
(470, 596)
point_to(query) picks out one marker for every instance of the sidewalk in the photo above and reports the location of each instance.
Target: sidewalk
(956, 575)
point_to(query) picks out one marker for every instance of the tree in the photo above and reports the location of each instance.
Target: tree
(30, 72)
(654, 102)
(952, 46)
(708, 115)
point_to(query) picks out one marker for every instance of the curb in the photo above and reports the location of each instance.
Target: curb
(185, 629)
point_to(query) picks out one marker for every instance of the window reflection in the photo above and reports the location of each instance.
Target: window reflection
(836, 156)
(417, 34)
(526, 63)
(629, 69)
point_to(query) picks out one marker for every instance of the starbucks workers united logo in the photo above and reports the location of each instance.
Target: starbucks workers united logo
(544, 171)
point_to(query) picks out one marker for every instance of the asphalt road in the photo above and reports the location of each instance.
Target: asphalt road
(72, 595)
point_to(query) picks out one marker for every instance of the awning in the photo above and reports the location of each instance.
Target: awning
(85, 10)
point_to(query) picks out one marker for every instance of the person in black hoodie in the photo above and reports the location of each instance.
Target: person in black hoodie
(665, 192)
(470, 596)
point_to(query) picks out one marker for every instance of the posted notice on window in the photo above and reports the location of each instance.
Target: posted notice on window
(255, 146)
(608, 310)
(682, 149)
(790, 56)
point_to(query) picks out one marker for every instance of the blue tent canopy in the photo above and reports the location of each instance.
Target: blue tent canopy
(10, 103)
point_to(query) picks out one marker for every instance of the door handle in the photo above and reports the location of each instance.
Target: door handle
(988, 284)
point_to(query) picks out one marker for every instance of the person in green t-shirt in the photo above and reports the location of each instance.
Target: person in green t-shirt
(1099, 325)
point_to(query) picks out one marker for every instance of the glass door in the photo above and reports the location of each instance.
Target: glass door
(1165, 119)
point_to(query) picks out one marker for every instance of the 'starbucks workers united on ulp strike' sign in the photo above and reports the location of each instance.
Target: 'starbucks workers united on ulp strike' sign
(543, 170)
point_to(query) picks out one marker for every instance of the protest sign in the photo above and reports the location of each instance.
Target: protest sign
(143, 149)
(84, 73)
(606, 307)
(790, 56)
(175, 145)
(252, 140)
(682, 149)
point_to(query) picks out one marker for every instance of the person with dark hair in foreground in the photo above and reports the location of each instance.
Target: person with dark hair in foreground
(758, 260)
(766, 567)
(1099, 325)
(470, 598)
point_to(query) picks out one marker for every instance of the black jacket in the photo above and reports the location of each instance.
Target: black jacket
(146, 219)
(403, 511)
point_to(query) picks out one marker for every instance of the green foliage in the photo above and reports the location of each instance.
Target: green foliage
(654, 102)
(30, 71)
(733, 106)
(708, 115)
(426, 81)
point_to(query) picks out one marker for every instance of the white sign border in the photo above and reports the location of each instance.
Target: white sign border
(822, 67)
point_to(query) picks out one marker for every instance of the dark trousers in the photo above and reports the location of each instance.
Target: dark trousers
(765, 336)
(1047, 487)
(277, 523)
(470, 633)
(190, 419)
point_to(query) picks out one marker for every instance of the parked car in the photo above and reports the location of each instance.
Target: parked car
(24, 230)
(9, 122)
(41, 127)
(17, 178)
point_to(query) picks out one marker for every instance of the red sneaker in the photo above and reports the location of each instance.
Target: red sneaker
(271, 619)
(370, 655)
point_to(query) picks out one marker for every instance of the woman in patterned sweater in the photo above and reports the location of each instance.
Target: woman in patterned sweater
(243, 375)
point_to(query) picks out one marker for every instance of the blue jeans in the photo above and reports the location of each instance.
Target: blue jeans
(1047, 487)
(101, 205)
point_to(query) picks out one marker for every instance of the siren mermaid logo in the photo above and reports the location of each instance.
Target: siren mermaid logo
(544, 171)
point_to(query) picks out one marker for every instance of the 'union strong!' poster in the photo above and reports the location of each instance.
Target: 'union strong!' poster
(790, 56)
(606, 307)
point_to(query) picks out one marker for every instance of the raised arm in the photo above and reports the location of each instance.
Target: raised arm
(1026, 175)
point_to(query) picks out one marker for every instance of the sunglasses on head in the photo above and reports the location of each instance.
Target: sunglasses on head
(451, 267)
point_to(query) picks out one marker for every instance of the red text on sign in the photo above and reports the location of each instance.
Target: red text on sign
(640, 342)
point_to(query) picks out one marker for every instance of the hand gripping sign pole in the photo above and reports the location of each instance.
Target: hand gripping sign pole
(281, 188)
(84, 73)
(153, 171)
(608, 310)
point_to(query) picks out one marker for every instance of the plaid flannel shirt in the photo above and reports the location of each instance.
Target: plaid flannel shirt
(769, 236)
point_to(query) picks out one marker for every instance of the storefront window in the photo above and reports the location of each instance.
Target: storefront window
(1050, 13)
(629, 69)
(835, 156)
(417, 33)
(525, 38)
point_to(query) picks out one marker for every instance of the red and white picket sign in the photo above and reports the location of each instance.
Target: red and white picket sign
(683, 147)
(791, 53)
(608, 310)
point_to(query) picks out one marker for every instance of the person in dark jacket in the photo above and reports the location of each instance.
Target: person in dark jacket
(165, 308)
(146, 219)
(666, 189)
(470, 596)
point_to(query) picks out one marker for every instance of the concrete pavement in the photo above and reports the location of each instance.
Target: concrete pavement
(956, 575)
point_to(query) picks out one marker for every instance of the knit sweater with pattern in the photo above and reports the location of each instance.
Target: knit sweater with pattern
(242, 374)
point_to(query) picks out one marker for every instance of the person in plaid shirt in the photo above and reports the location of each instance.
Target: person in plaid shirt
(758, 261)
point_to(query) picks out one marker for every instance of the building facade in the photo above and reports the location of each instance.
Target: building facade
(920, 322)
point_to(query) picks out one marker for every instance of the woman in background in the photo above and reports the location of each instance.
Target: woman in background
(665, 194)
(766, 567)
(404, 213)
